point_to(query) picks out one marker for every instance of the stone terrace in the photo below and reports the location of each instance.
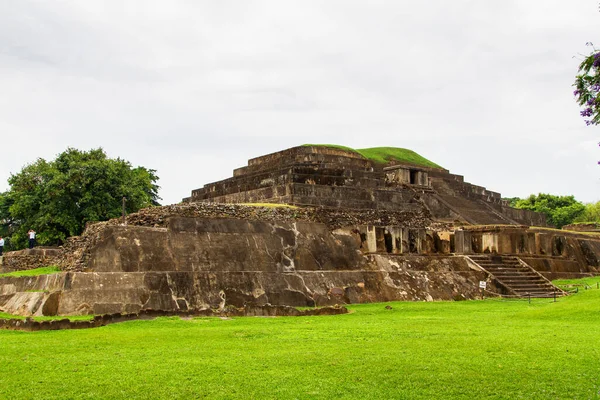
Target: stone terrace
(336, 178)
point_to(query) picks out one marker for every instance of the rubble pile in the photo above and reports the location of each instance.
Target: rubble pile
(74, 252)
(334, 218)
(22, 262)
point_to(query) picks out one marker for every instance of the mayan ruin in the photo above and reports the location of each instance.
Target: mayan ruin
(307, 226)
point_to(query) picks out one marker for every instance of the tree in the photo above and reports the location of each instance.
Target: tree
(587, 87)
(512, 201)
(59, 197)
(559, 210)
(7, 223)
(590, 214)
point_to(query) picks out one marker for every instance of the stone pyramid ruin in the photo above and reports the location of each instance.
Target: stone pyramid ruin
(307, 226)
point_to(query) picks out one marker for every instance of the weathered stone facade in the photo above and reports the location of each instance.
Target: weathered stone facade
(29, 259)
(331, 177)
(195, 263)
(554, 253)
(378, 233)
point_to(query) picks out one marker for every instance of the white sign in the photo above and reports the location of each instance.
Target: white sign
(482, 284)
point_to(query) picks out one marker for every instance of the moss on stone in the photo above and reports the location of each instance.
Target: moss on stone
(383, 155)
(34, 272)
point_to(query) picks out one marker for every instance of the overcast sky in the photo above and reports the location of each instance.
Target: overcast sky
(194, 89)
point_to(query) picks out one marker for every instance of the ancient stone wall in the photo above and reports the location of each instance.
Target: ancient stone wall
(583, 227)
(181, 262)
(77, 250)
(233, 245)
(28, 259)
(385, 278)
(554, 253)
(335, 178)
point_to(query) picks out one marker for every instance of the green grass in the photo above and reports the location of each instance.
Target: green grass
(384, 155)
(52, 269)
(490, 349)
(593, 282)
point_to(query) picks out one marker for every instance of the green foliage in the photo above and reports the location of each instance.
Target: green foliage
(334, 146)
(59, 197)
(383, 155)
(587, 84)
(489, 349)
(590, 214)
(512, 201)
(7, 222)
(386, 154)
(559, 210)
(52, 269)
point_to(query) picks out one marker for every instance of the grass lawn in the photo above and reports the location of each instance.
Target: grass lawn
(52, 269)
(591, 282)
(440, 350)
(383, 155)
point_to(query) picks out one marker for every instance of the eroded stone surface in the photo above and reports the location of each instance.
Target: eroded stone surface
(192, 263)
(336, 178)
(29, 258)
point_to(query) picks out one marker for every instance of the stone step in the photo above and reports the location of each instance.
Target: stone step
(506, 271)
(515, 273)
(538, 293)
(490, 262)
(527, 287)
(530, 287)
(518, 279)
(522, 280)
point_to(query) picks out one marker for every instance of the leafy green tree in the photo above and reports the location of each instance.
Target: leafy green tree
(7, 223)
(512, 201)
(590, 214)
(59, 197)
(559, 210)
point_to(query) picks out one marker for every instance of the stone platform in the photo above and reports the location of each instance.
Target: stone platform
(331, 177)
(196, 263)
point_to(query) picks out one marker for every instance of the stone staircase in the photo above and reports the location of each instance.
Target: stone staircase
(516, 276)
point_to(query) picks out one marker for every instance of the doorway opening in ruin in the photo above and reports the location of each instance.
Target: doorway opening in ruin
(389, 242)
(363, 238)
(413, 177)
(412, 241)
(559, 246)
(476, 244)
(438, 244)
(521, 246)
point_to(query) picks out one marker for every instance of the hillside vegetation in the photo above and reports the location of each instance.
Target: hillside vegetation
(384, 155)
(492, 349)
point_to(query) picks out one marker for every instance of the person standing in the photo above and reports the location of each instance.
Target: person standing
(1, 245)
(31, 234)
